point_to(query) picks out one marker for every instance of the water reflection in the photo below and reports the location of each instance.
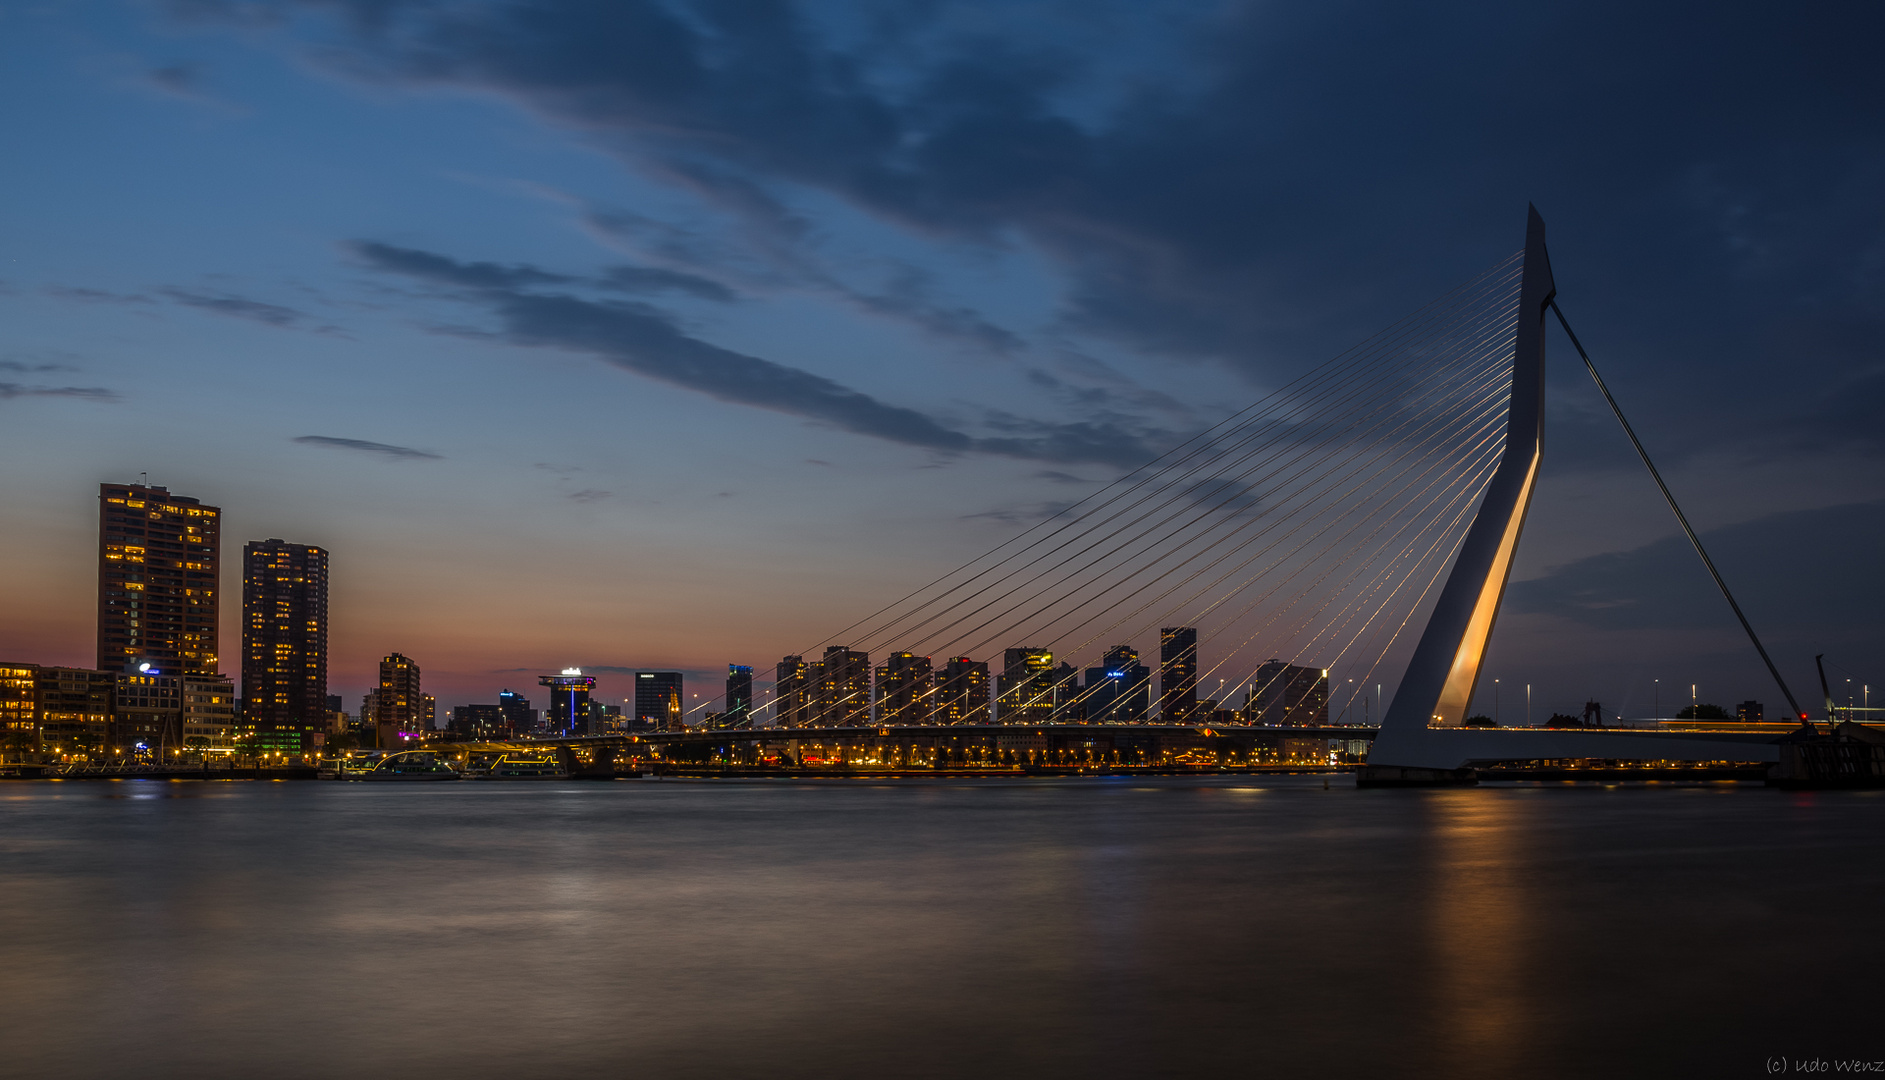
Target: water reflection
(1486, 985)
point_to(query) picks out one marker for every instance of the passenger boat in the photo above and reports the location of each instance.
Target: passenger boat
(515, 766)
(409, 765)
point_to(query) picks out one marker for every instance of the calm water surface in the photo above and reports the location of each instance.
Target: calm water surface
(1254, 926)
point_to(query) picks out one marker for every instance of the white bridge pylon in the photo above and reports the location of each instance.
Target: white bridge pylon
(1422, 739)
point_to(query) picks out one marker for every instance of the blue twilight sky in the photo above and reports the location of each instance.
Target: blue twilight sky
(636, 334)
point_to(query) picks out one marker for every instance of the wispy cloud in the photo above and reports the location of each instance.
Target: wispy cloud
(8, 391)
(588, 495)
(646, 340)
(388, 450)
(237, 307)
(32, 367)
(94, 296)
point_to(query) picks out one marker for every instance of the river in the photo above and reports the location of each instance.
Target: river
(1043, 928)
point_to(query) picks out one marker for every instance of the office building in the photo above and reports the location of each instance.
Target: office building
(792, 692)
(1749, 712)
(1285, 695)
(398, 705)
(519, 717)
(961, 695)
(841, 691)
(903, 689)
(147, 712)
(1069, 705)
(1024, 693)
(739, 700)
(604, 719)
(1177, 674)
(157, 580)
(209, 714)
(284, 637)
(1119, 691)
(568, 714)
(658, 697)
(477, 723)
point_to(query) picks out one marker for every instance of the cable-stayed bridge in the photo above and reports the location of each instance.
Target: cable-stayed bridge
(1360, 521)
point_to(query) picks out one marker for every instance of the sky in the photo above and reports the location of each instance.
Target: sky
(638, 335)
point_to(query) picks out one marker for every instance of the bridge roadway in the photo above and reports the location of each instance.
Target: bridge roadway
(1058, 734)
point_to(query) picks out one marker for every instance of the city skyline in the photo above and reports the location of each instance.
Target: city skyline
(669, 389)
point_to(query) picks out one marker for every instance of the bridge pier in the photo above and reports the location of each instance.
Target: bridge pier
(1407, 776)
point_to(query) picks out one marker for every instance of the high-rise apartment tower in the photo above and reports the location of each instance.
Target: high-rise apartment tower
(398, 707)
(739, 710)
(284, 636)
(157, 580)
(1177, 674)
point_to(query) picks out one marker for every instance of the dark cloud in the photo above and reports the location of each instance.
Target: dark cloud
(237, 307)
(1221, 209)
(403, 453)
(643, 279)
(1223, 495)
(183, 80)
(1104, 443)
(431, 267)
(1059, 477)
(1021, 515)
(1822, 561)
(642, 340)
(9, 391)
(645, 341)
(31, 367)
(907, 297)
(95, 296)
(588, 495)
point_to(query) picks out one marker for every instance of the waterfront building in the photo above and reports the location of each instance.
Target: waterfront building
(1749, 712)
(519, 717)
(1119, 691)
(157, 580)
(961, 695)
(1287, 695)
(147, 712)
(904, 690)
(74, 706)
(1177, 674)
(477, 723)
(397, 705)
(1024, 693)
(792, 692)
(19, 708)
(568, 714)
(841, 692)
(1069, 706)
(284, 638)
(604, 718)
(739, 699)
(209, 713)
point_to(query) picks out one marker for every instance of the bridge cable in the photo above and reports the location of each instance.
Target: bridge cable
(1680, 517)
